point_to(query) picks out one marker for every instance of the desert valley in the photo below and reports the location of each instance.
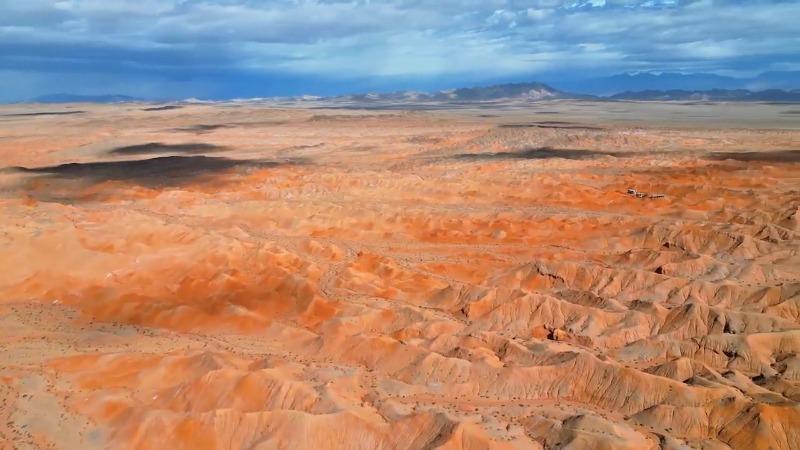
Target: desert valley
(560, 275)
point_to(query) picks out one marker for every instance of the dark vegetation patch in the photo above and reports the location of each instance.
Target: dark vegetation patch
(158, 147)
(44, 113)
(162, 108)
(539, 153)
(774, 156)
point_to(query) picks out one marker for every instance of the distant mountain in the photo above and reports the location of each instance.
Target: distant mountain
(735, 95)
(535, 91)
(775, 80)
(639, 86)
(524, 91)
(514, 91)
(72, 98)
(645, 81)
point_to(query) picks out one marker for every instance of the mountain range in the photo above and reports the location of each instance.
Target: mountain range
(540, 91)
(519, 91)
(716, 95)
(645, 86)
(646, 81)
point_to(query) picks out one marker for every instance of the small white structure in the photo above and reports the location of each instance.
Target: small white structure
(638, 194)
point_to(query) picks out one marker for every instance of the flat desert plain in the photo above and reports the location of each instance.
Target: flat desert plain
(262, 276)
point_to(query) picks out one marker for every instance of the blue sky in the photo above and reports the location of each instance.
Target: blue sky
(246, 48)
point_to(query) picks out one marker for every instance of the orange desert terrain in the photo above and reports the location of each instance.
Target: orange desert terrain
(249, 275)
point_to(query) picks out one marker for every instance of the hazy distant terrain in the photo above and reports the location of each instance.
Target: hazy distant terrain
(767, 86)
(667, 81)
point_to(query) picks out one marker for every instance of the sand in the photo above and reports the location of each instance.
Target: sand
(248, 275)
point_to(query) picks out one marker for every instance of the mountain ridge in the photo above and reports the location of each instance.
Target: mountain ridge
(528, 90)
(697, 81)
(741, 95)
(537, 91)
(523, 91)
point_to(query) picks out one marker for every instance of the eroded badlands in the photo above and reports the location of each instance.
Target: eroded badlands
(244, 276)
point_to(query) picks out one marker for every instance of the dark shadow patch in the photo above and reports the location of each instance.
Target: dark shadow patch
(157, 147)
(160, 171)
(80, 182)
(44, 113)
(551, 124)
(791, 111)
(774, 156)
(303, 147)
(202, 128)
(259, 124)
(539, 153)
(162, 108)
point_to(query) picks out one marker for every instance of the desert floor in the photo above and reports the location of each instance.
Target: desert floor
(249, 275)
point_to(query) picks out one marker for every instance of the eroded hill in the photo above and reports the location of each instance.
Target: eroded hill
(234, 276)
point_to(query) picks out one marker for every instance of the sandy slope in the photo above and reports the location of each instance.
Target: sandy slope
(236, 276)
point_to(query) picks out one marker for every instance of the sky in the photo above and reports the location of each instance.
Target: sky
(257, 48)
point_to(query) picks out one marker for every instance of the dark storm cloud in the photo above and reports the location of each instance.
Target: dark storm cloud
(144, 44)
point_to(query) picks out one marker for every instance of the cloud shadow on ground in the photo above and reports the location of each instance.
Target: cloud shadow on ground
(201, 128)
(162, 108)
(44, 113)
(159, 171)
(74, 182)
(158, 147)
(775, 156)
(539, 153)
(552, 124)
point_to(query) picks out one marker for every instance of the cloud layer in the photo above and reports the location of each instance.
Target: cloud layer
(224, 48)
